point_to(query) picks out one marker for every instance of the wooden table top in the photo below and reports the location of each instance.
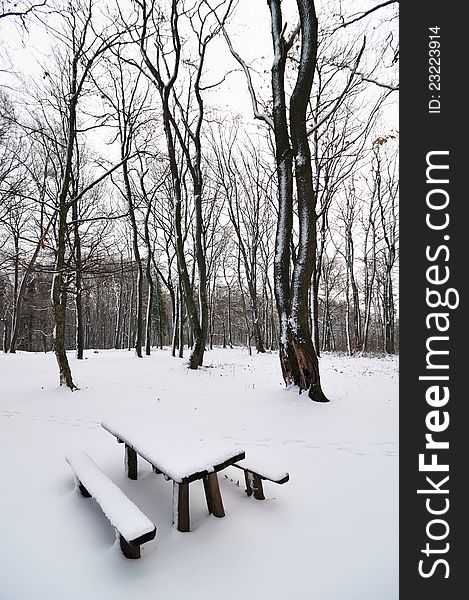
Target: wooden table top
(179, 451)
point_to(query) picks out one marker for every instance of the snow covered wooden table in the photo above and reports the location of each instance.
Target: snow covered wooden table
(179, 454)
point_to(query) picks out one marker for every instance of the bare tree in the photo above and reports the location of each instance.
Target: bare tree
(386, 188)
(243, 181)
(164, 69)
(19, 8)
(82, 48)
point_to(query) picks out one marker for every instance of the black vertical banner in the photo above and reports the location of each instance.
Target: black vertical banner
(433, 308)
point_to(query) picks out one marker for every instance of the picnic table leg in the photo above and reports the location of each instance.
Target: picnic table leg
(248, 480)
(208, 496)
(213, 496)
(130, 462)
(181, 518)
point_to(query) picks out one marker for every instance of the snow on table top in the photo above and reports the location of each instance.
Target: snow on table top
(127, 518)
(176, 450)
(264, 468)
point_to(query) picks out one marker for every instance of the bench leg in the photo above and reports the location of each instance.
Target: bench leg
(254, 485)
(181, 518)
(127, 550)
(130, 462)
(213, 496)
(84, 492)
(248, 480)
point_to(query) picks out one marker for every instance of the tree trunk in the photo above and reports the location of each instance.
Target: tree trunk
(59, 304)
(16, 296)
(181, 325)
(230, 328)
(6, 334)
(283, 156)
(59, 290)
(80, 337)
(137, 257)
(200, 333)
(118, 330)
(175, 322)
(196, 357)
(130, 311)
(148, 326)
(151, 284)
(297, 354)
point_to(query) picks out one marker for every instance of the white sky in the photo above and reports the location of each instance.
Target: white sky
(25, 52)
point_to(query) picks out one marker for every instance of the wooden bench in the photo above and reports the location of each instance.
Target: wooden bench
(133, 527)
(255, 472)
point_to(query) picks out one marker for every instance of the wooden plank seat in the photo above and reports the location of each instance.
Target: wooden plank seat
(255, 472)
(133, 527)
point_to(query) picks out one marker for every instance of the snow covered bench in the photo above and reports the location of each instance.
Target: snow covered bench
(255, 471)
(133, 527)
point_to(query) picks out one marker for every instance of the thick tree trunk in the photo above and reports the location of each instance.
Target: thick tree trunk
(297, 354)
(283, 156)
(303, 347)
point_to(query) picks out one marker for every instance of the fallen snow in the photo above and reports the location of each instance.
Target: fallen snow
(330, 533)
(127, 518)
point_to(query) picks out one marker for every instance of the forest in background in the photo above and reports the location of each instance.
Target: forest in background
(139, 210)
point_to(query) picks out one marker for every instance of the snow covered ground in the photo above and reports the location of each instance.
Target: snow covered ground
(330, 533)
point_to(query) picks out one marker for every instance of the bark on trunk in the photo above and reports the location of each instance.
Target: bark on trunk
(297, 354)
(137, 257)
(59, 290)
(80, 334)
(118, 330)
